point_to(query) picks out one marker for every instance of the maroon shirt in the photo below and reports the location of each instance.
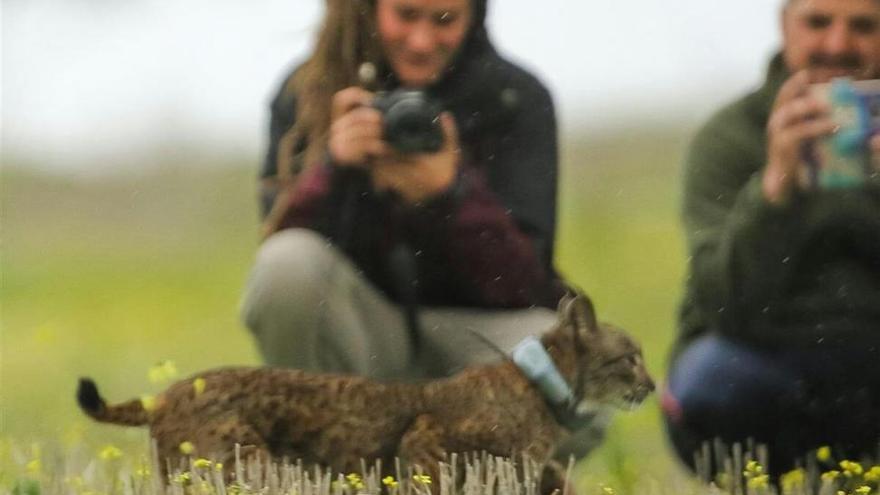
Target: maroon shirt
(467, 248)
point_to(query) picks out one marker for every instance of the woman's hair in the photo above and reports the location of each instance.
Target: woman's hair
(347, 39)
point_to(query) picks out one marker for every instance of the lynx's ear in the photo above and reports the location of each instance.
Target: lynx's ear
(564, 301)
(576, 309)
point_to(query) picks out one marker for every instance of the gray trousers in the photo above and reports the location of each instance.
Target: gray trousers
(308, 307)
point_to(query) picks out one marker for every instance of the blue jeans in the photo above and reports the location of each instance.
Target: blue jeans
(793, 400)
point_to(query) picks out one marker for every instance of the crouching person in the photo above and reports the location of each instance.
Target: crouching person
(780, 326)
(391, 255)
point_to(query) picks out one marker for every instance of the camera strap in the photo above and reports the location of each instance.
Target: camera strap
(402, 265)
(403, 270)
(401, 258)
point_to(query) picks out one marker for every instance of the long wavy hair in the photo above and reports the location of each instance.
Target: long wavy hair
(346, 40)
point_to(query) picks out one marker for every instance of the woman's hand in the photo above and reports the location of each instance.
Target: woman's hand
(797, 118)
(356, 141)
(417, 177)
(355, 129)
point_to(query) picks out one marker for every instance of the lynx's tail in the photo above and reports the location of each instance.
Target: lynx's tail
(131, 413)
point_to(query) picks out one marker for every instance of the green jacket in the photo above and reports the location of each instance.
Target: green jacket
(802, 274)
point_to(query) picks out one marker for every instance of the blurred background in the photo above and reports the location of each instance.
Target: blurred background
(131, 136)
(95, 85)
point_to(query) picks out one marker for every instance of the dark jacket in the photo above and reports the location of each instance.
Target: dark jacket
(489, 240)
(807, 273)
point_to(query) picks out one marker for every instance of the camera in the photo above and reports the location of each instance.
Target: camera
(843, 159)
(411, 120)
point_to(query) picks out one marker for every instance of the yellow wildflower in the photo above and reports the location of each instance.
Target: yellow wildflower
(182, 479)
(873, 474)
(851, 468)
(830, 475)
(389, 481)
(354, 481)
(422, 478)
(758, 482)
(187, 448)
(202, 463)
(823, 453)
(143, 472)
(148, 402)
(863, 490)
(162, 372)
(218, 466)
(199, 386)
(34, 467)
(110, 453)
(607, 490)
(753, 468)
(169, 368)
(792, 480)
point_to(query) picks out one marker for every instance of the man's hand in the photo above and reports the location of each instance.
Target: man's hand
(875, 152)
(355, 129)
(796, 118)
(417, 177)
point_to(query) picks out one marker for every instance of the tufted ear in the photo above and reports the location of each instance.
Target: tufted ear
(562, 307)
(576, 309)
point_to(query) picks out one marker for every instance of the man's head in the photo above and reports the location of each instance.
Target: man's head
(832, 38)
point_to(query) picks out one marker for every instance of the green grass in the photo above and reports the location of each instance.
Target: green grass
(105, 276)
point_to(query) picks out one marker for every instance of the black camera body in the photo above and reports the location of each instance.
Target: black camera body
(411, 120)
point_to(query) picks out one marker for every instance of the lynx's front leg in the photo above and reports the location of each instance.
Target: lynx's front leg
(554, 479)
(422, 448)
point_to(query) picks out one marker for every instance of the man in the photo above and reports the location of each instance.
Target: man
(780, 326)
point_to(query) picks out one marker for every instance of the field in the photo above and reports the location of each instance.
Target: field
(107, 275)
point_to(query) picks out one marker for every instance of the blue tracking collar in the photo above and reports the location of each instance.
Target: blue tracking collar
(531, 357)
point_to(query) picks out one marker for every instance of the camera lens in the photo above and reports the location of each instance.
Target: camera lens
(411, 122)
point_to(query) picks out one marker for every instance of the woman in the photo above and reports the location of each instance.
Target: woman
(386, 263)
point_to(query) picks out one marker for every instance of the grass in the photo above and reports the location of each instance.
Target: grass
(107, 275)
(111, 472)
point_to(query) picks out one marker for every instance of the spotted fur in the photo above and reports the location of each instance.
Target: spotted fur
(337, 420)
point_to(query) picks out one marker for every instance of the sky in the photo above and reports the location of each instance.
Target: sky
(98, 84)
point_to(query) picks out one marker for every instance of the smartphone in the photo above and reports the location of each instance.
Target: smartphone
(843, 159)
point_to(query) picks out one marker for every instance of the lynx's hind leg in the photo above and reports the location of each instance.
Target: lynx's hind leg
(214, 440)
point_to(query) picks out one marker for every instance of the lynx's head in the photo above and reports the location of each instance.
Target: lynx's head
(607, 365)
